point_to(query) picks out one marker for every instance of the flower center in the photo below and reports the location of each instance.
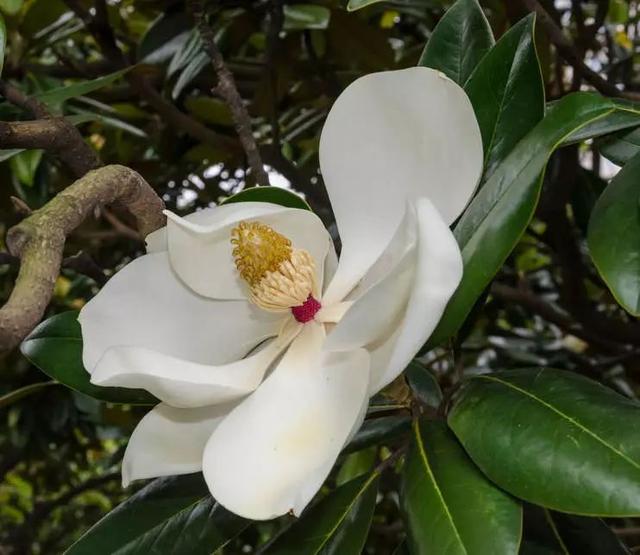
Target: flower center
(280, 277)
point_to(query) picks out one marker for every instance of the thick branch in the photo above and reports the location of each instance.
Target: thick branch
(39, 240)
(56, 135)
(569, 52)
(227, 89)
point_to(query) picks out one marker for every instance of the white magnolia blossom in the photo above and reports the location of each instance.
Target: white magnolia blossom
(262, 347)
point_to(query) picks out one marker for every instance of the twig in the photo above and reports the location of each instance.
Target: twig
(569, 52)
(39, 240)
(53, 134)
(227, 89)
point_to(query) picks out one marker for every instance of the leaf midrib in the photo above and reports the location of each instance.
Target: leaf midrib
(568, 418)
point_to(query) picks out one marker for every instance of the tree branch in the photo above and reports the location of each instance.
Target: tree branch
(227, 89)
(39, 240)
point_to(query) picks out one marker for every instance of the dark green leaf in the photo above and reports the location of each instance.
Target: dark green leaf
(337, 525)
(449, 506)
(378, 430)
(55, 347)
(507, 92)
(459, 41)
(499, 214)
(171, 515)
(621, 147)
(614, 236)
(55, 97)
(17, 394)
(586, 536)
(623, 118)
(553, 438)
(274, 195)
(164, 37)
(424, 384)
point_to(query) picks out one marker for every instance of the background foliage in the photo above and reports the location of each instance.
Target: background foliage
(565, 252)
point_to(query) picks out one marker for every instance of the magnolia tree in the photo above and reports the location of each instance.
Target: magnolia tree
(282, 279)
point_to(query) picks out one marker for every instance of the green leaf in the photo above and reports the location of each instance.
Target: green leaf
(450, 507)
(3, 41)
(189, 73)
(553, 438)
(209, 110)
(621, 147)
(354, 5)
(507, 92)
(339, 523)
(585, 536)
(170, 515)
(5, 154)
(459, 41)
(274, 195)
(614, 236)
(375, 431)
(24, 165)
(11, 7)
(424, 384)
(298, 17)
(57, 96)
(493, 223)
(164, 37)
(55, 347)
(354, 465)
(624, 117)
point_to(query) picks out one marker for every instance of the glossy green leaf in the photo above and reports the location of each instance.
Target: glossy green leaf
(55, 347)
(459, 41)
(171, 515)
(493, 223)
(621, 147)
(450, 507)
(614, 236)
(424, 384)
(298, 17)
(274, 195)
(553, 438)
(338, 524)
(354, 465)
(623, 118)
(507, 92)
(376, 431)
(58, 95)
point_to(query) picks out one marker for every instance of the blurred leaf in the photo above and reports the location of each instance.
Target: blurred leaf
(170, 515)
(338, 523)
(11, 7)
(24, 165)
(57, 96)
(3, 42)
(5, 154)
(621, 147)
(507, 92)
(189, 50)
(379, 430)
(614, 236)
(449, 505)
(553, 438)
(298, 17)
(424, 384)
(55, 347)
(585, 536)
(274, 195)
(209, 110)
(497, 217)
(354, 5)
(459, 41)
(189, 73)
(164, 37)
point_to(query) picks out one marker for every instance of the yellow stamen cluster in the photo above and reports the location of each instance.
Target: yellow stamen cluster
(258, 249)
(279, 276)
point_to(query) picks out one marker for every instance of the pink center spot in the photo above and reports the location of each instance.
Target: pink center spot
(307, 310)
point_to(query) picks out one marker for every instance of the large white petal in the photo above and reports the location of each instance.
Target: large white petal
(170, 441)
(437, 276)
(145, 305)
(390, 137)
(202, 254)
(379, 301)
(274, 451)
(187, 384)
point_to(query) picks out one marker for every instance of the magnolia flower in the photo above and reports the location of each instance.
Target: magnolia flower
(264, 348)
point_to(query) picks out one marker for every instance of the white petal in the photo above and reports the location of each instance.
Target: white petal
(274, 451)
(379, 301)
(438, 273)
(202, 254)
(187, 384)
(390, 137)
(170, 441)
(145, 305)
